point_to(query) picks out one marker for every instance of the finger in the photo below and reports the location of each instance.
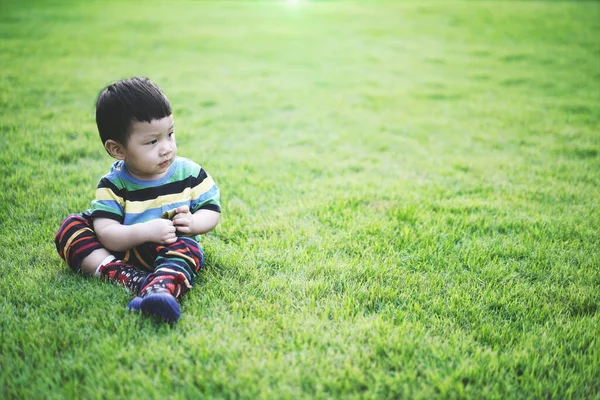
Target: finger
(183, 209)
(170, 240)
(183, 229)
(182, 222)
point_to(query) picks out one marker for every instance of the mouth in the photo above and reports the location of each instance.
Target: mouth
(164, 164)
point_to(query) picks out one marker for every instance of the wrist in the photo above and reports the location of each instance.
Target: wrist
(192, 225)
(142, 233)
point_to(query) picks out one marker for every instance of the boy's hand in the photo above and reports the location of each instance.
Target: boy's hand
(161, 231)
(183, 220)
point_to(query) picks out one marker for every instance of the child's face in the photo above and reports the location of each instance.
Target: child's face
(151, 148)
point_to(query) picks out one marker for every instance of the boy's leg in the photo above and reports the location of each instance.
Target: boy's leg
(76, 242)
(89, 265)
(78, 245)
(176, 267)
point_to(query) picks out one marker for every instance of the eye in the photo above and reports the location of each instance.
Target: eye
(171, 134)
(152, 142)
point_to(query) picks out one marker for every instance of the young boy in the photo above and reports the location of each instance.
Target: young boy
(143, 227)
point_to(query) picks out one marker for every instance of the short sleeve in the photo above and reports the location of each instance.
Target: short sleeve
(205, 193)
(109, 202)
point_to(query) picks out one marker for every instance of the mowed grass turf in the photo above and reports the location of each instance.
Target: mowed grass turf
(409, 189)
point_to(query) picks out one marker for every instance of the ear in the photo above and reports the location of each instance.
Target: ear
(115, 149)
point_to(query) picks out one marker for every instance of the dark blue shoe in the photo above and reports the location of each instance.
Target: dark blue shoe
(163, 305)
(134, 305)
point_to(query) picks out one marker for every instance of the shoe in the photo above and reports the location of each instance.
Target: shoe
(161, 304)
(134, 305)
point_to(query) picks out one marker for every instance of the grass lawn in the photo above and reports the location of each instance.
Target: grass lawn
(410, 197)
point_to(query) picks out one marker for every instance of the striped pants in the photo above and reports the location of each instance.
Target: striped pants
(172, 267)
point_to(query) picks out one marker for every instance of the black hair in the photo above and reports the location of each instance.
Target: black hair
(127, 100)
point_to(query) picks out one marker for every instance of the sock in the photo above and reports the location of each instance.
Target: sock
(173, 283)
(124, 274)
(159, 294)
(104, 262)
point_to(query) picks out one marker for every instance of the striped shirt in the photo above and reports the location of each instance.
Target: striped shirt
(128, 200)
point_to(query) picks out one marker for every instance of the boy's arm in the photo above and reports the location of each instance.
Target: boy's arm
(197, 223)
(117, 237)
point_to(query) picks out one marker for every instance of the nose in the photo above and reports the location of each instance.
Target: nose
(165, 149)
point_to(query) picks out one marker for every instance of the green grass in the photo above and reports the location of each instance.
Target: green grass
(410, 195)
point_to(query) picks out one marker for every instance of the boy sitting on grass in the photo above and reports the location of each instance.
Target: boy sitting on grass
(143, 227)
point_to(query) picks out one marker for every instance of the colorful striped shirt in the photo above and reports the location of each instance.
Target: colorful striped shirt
(123, 198)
